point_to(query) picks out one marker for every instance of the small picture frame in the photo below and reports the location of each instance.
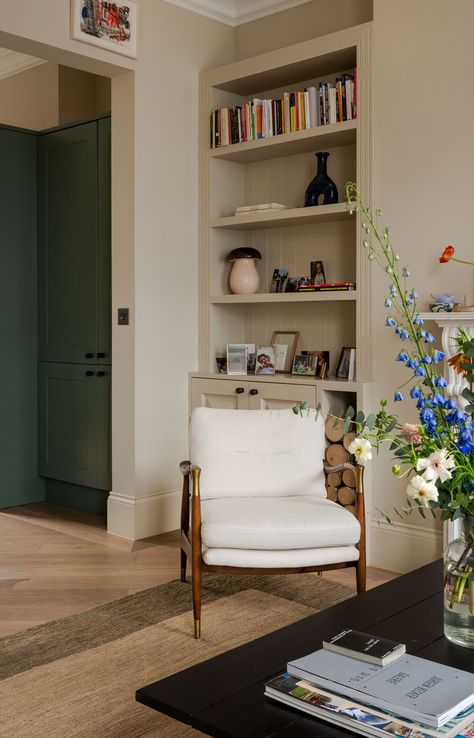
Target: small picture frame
(110, 25)
(305, 365)
(346, 364)
(317, 273)
(236, 358)
(322, 367)
(265, 360)
(289, 339)
(250, 358)
(278, 282)
(221, 362)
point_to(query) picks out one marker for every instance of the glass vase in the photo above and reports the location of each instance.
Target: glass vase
(459, 587)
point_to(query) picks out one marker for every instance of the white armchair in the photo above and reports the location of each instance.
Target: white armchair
(256, 480)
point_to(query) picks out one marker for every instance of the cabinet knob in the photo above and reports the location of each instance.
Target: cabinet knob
(253, 392)
(89, 374)
(100, 355)
(101, 374)
(88, 355)
(239, 390)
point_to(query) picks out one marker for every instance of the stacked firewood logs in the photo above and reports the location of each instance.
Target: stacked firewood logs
(340, 486)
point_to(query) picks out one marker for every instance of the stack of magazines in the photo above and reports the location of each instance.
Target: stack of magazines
(409, 697)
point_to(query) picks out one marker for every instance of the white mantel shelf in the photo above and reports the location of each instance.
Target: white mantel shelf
(460, 318)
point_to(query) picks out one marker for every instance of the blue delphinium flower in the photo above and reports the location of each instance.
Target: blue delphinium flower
(414, 295)
(390, 322)
(398, 396)
(404, 335)
(388, 303)
(427, 417)
(393, 290)
(418, 320)
(405, 272)
(419, 372)
(438, 356)
(440, 382)
(402, 356)
(412, 363)
(415, 392)
(437, 400)
(429, 338)
(456, 417)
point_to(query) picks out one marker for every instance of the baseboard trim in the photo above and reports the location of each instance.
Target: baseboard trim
(403, 547)
(141, 517)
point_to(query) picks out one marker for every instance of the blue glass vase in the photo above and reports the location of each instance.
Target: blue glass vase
(321, 190)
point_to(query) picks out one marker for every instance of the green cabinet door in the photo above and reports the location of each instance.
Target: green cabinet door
(68, 244)
(104, 266)
(74, 424)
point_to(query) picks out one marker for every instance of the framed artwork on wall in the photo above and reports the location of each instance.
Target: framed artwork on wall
(110, 25)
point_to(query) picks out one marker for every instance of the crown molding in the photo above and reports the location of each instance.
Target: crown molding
(12, 63)
(236, 12)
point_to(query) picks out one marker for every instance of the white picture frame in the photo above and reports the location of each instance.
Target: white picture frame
(115, 32)
(236, 358)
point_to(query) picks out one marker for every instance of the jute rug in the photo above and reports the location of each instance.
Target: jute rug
(76, 677)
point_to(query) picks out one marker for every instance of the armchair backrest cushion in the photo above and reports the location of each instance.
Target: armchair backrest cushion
(258, 453)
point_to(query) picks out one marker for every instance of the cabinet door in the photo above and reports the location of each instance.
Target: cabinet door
(67, 239)
(104, 265)
(74, 412)
(219, 393)
(274, 396)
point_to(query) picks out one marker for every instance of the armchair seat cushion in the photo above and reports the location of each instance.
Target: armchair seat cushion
(277, 524)
(279, 559)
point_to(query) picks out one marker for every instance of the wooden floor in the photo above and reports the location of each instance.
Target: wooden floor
(56, 562)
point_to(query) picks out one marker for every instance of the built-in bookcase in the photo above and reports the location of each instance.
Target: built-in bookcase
(278, 169)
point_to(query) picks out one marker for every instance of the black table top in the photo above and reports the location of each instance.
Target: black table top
(224, 696)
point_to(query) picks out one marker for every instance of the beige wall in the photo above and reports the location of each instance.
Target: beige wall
(81, 94)
(424, 159)
(306, 21)
(29, 99)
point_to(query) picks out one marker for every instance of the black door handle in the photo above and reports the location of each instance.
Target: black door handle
(88, 355)
(239, 390)
(89, 374)
(101, 374)
(101, 356)
(253, 392)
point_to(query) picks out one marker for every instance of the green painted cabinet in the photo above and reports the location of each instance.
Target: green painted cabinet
(74, 241)
(74, 411)
(74, 244)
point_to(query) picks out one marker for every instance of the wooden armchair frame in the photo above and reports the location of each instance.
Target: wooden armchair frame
(191, 546)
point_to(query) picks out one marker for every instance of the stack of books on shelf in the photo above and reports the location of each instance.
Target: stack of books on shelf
(327, 287)
(295, 111)
(370, 686)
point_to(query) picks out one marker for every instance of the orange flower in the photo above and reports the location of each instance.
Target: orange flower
(456, 361)
(447, 254)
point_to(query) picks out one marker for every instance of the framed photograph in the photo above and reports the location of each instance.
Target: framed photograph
(322, 366)
(317, 273)
(250, 358)
(279, 278)
(236, 358)
(265, 363)
(110, 25)
(305, 364)
(291, 284)
(221, 362)
(346, 364)
(289, 339)
(281, 351)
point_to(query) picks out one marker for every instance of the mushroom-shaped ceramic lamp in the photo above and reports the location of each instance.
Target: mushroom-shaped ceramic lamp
(244, 277)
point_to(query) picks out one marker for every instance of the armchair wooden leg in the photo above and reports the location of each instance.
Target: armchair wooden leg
(184, 559)
(197, 596)
(361, 575)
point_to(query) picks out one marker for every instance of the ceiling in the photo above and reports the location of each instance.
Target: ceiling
(11, 62)
(236, 12)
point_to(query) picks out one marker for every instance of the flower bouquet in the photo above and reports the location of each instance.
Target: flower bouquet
(436, 455)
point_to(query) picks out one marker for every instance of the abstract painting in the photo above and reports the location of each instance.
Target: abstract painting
(110, 25)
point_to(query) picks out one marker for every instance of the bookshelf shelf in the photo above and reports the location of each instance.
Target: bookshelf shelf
(289, 297)
(289, 144)
(279, 169)
(280, 218)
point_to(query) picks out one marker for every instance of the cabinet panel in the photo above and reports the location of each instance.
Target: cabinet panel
(273, 396)
(68, 242)
(219, 393)
(104, 265)
(74, 411)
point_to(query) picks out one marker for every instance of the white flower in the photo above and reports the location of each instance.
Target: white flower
(422, 490)
(436, 466)
(361, 448)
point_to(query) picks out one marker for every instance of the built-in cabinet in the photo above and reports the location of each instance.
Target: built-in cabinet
(74, 304)
(278, 169)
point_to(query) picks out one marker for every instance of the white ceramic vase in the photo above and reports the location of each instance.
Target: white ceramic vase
(244, 277)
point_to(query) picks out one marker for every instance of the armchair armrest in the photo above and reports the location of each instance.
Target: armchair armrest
(190, 471)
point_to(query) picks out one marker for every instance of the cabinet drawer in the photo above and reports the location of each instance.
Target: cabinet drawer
(223, 393)
(274, 396)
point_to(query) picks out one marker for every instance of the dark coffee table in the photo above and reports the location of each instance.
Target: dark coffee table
(224, 696)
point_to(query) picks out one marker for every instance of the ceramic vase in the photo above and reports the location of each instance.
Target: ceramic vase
(321, 190)
(244, 277)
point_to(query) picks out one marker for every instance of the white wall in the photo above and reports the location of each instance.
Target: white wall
(424, 159)
(29, 99)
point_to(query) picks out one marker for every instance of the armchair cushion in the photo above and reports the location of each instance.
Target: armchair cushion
(279, 559)
(282, 523)
(250, 453)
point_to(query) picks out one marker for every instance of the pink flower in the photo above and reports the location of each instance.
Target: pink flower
(411, 433)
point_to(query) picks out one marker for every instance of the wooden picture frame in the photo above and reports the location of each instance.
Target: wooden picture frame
(289, 339)
(116, 30)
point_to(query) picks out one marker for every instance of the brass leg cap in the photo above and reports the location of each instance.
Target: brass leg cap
(197, 628)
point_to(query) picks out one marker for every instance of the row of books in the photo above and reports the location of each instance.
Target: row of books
(407, 696)
(295, 111)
